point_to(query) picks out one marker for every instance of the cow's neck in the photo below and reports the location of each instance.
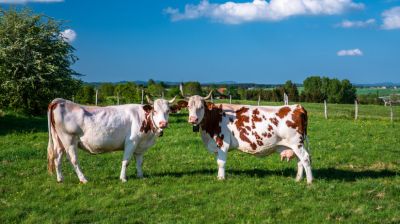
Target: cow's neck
(212, 119)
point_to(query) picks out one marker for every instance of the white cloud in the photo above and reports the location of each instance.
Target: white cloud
(27, 1)
(68, 35)
(261, 10)
(391, 18)
(350, 52)
(356, 24)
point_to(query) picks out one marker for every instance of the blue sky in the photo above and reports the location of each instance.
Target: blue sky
(244, 41)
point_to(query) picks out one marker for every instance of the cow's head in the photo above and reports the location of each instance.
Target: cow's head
(160, 112)
(196, 106)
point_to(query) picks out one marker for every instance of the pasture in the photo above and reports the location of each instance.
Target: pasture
(356, 165)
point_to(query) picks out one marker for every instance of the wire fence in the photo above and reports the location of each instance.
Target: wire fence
(346, 111)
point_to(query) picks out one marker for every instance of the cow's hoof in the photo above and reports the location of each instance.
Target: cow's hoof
(123, 180)
(83, 181)
(60, 180)
(221, 178)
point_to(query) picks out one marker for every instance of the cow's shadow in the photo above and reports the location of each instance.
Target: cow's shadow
(329, 174)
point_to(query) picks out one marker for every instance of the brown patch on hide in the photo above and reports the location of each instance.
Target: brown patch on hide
(211, 122)
(147, 124)
(283, 112)
(274, 121)
(255, 118)
(241, 119)
(270, 128)
(299, 120)
(258, 138)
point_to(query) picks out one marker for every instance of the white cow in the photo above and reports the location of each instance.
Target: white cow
(258, 130)
(131, 128)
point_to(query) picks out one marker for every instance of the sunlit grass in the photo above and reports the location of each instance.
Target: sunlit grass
(355, 163)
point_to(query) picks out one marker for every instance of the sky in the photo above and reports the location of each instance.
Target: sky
(246, 41)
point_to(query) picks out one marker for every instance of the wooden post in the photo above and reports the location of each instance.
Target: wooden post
(286, 99)
(162, 95)
(118, 98)
(325, 110)
(259, 98)
(230, 99)
(97, 92)
(356, 109)
(142, 96)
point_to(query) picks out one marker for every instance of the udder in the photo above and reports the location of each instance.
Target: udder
(288, 154)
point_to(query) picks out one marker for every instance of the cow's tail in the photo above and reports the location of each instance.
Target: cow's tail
(304, 124)
(51, 151)
(305, 137)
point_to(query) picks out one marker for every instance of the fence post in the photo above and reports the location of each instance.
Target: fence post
(286, 99)
(259, 98)
(356, 109)
(97, 92)
(230, 99)
(142, 96)
(326, 110)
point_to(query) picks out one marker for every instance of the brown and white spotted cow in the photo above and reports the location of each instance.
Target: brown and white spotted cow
(131, 128)
(257, 130)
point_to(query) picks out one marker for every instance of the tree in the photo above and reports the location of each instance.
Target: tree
(35, 62)
(86, 95)
(349, 92)
(291, 90)
(334, 91)
(192, 88)
(128, 93)
(312, 89)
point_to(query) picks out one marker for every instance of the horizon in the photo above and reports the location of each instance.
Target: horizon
(205, 41)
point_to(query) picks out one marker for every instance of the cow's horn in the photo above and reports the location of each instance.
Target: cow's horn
(149, 100)
(172, 100)
(208, 97)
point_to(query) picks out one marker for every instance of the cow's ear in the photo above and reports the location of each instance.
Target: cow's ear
(174, 108)
(147, 108)
(210, 105)
(182, 104)
(177, 107)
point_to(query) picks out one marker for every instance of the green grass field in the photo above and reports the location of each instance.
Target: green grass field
(356, 165)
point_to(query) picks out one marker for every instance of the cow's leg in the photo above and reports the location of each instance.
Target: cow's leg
(139, 163)
(130, 147)
(300, 171)
(57, 163)
(221, 160)
(72, 154)
(304, 158)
